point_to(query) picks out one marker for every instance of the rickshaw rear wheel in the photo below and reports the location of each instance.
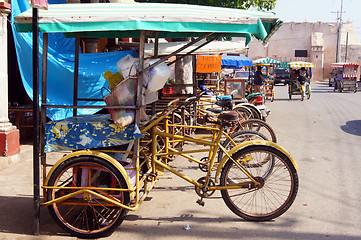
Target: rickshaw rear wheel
(85, 215)
(278, 184)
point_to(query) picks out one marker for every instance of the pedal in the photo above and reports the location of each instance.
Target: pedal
(200, 202)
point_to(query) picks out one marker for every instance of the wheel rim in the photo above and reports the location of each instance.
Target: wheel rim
(272, 199)
(261, 127)
(244, 112)
(85, 213)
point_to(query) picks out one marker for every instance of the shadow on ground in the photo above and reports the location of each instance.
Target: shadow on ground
(352, 127)
(17, 217)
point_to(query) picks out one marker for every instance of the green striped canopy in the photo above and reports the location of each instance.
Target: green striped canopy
(170, 20)
(266, 61)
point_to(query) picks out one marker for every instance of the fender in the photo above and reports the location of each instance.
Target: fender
(96, 154)
(254, 142)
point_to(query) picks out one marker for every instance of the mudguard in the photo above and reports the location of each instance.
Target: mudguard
(98, 154)
(254, 142)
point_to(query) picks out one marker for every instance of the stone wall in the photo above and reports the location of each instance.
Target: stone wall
(318, 38)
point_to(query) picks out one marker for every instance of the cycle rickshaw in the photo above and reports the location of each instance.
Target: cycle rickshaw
(268, 86)
(297, 86)
(345, 77)
(89, 191)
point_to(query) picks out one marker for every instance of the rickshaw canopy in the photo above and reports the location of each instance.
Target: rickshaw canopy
(342, 64)
(349, 70)
(126, 20)
(236, 61)
(170, 20)
(266, 61)
(300, 64)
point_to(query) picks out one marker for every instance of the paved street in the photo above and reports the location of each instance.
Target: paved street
(323, 134)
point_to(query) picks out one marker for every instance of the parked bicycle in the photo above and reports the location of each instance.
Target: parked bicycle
(88, 192)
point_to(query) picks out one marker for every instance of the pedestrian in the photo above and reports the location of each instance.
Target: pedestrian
(339, 78)
(258, 80)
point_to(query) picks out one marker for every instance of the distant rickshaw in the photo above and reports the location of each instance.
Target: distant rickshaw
(267, 64)
(300, 75)
(346, 76)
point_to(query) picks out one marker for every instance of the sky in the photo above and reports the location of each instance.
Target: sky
(314, 10)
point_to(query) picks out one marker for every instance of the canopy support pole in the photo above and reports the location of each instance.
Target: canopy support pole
(36, 124)
(76, 73)
(156, 49)
(44, 79)
(195, 86)
(139, 105)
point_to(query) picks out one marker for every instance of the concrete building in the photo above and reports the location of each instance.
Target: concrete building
(314, 42)
(9, 134)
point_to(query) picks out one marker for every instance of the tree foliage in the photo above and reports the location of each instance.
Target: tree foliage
(242, 4)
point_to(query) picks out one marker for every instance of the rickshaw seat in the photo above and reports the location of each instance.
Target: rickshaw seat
(229, 116)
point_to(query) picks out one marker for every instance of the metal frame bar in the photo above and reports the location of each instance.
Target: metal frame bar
(36, 123)
(76, 73)
(162, 59)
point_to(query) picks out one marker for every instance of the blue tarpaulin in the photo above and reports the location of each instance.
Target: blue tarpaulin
(235, 61)
(61, 67)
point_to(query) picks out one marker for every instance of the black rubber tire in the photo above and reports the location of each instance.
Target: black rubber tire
(245, 112)
(97, 219)
(258, 125)
(255, 112)
(279, 186)
(240, 137)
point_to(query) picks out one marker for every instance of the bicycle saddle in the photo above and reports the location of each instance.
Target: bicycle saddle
(229, 116)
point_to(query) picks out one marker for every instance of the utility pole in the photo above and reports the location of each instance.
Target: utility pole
(346, 51)
(339, 27)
